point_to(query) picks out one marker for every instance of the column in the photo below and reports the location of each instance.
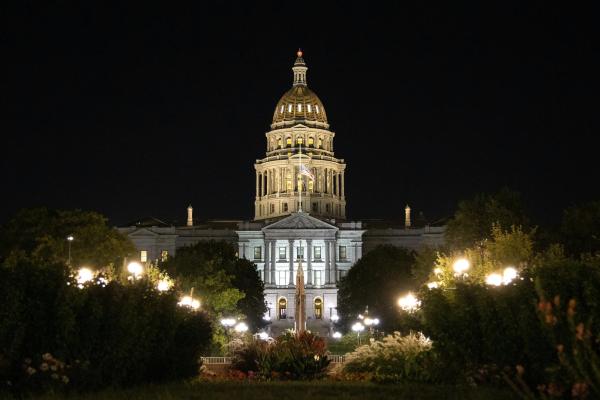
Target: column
(291, 272)
(241, 250)
(273, 260)
(309, 261)
(327, 262)
(333, 267)
(257, 177)
(268, 181)
(266, 263)
(343, 184)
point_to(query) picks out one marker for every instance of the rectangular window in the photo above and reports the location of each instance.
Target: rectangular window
(317, 253)
(143, 255)
(315, 207)
(285, 205)
(318, 277)
(258, 253)
(164, 254)
(300, 252)
(282, 252)
(343, 273)
(342, 253)
(282, 278)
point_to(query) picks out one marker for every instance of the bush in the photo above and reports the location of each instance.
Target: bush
(479, 329)
(122, 334)
(290, 356)
(395, 358)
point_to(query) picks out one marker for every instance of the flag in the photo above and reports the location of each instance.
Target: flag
(306, 172)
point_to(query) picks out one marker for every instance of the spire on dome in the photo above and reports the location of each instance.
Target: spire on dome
(299, 69)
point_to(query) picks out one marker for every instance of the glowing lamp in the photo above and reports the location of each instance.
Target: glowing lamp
(135, 268)
(241, 327)
(409, 303)
(84, 275)
(494, 279)
(461, 265)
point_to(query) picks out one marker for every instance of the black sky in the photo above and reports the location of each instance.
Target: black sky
(137, 110)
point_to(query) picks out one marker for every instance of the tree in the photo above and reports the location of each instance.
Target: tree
(226, 284)
(376, 281)
(505, 248)
(474, 218)
(40, 235)
(580, 229)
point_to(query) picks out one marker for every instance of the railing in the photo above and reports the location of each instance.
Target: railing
(216, 360)
(227, 360)
(337, 358)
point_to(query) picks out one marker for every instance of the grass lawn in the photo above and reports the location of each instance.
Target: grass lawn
(233, 390)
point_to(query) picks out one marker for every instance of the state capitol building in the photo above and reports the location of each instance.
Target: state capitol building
(299, 214)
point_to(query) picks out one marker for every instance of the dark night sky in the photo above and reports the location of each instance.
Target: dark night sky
(141, 110)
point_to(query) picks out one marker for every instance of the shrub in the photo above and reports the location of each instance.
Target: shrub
(124, 334)
(290, 356)
(395, 358)
(479, 329)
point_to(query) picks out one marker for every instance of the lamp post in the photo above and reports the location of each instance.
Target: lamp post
(69, 240)
(358, 328)
(227, 324)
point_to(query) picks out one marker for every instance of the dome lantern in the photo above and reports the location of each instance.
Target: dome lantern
(299, 69)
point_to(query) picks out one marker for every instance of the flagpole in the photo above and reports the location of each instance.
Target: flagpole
(300, 174)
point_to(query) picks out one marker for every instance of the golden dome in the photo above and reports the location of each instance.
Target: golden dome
(299, 105)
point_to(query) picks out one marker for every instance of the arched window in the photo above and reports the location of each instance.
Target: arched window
(318, 308)
(299, 107)
(282, 305)
(289, 108)
(281, 110)
(308, 106)
(279, 143)
(317, 108)
(288, 141)
(311, 141)
(299, 140)
(320, 143)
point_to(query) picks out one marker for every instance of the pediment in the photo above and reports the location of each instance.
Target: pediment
(142, 232)
(300, 220)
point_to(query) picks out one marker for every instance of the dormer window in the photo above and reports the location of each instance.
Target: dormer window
(289, 108)
(299, 107)
(317, 108)
(282, 107)
(308, 107)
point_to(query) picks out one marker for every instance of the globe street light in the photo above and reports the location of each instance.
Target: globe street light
(228, 323)
(358, 328)
(163, 285)
(69, 240)
(136, 269)
(337, 335)
(189, 301)
(460, 266)
(241, 327)
(84, 275)
(409, 303)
